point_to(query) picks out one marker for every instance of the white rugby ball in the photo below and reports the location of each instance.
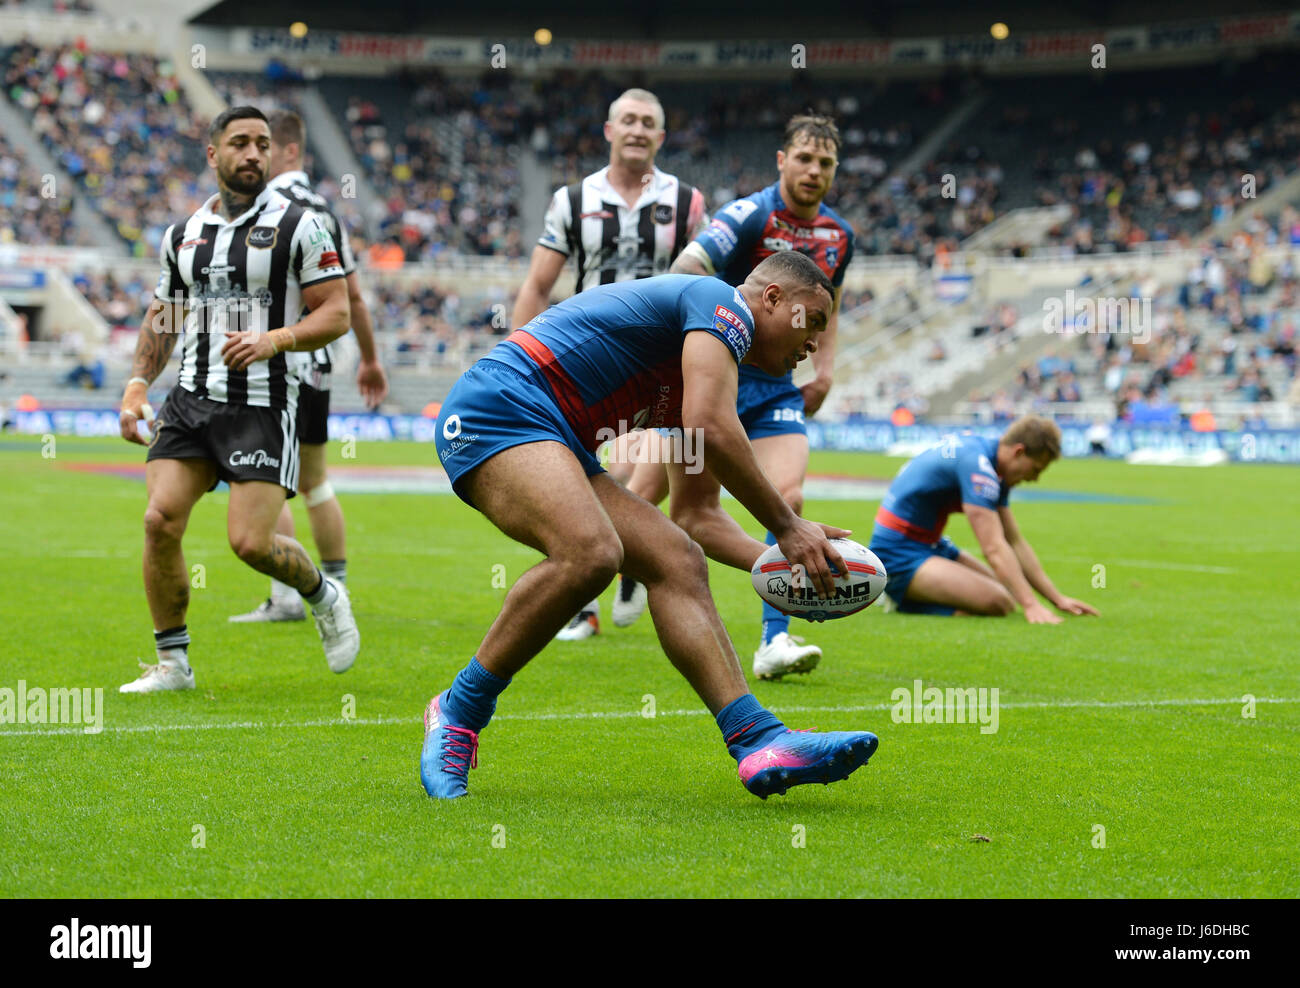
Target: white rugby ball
(795, 595)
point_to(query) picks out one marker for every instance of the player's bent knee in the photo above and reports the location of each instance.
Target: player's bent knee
(160, 526)
(251, 547)
(595, 561)
(997, 603)
(694, 566)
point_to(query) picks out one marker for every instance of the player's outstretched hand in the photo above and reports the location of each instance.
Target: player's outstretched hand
(372, 383)
(245, 348)
(1038, 614)
(807, 545)
(1072, 606)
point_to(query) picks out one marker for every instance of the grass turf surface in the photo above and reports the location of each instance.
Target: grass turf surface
(591, 798)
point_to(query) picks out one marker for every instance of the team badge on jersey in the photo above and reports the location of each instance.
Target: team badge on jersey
(985, 487)
(832, 257)
(263, 237)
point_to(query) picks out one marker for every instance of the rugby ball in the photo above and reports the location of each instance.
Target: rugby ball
(792, 593)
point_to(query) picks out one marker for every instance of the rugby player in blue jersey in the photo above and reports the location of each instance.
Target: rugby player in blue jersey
(517, 436)
(788, 215)
(928, 574)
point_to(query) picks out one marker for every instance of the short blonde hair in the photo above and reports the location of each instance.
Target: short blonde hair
(1040, 436)
(641, 96)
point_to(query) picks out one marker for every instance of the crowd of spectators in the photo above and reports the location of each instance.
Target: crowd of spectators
(443, 155)
(120, 126)
(33, 210)
(436, 324)
(447, 172)
(1225, 334)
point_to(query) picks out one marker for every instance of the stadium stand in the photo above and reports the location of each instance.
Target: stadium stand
(26, 214)
(1148, 168)
(120, 126)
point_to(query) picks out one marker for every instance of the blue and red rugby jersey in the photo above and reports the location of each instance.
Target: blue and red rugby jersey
(959, 470)
(612, 356)
(747, 231)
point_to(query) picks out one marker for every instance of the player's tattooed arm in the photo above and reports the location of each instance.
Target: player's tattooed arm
(157, 339)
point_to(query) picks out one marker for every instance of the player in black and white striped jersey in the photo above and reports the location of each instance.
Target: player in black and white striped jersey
(245, 280)
(627, 221)
(288, 140)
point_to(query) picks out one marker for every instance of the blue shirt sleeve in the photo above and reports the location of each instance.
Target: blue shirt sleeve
(715, 307)
(980, 484)
(732, 231)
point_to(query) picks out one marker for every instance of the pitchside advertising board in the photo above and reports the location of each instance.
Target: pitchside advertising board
(1044, 46)
(1255, 446)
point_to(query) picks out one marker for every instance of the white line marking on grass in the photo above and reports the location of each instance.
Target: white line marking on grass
(254, 725)
(1150, 564)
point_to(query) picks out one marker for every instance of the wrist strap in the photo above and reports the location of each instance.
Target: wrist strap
(138, 380)
(278, 337)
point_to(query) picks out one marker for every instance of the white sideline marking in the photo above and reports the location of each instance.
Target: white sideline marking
(254, 725)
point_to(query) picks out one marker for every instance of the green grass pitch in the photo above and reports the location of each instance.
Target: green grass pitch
(255, 784)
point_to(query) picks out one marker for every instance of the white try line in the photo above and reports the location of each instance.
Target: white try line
(255, 725)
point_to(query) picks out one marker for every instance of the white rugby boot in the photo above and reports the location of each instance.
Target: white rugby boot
(338, 631)
(784, 654)
(629, 602)
(584, 624)
(159, 677)
(274, 610)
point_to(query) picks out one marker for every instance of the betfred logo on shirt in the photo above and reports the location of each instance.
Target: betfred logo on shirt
(733, 329)
(722, 312)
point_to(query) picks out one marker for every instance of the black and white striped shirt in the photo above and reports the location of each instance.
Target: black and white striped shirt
(590, 220)
(244, 274)
(316, 366)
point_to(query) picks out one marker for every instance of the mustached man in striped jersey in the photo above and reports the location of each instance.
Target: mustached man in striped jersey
(247, 279)
(625, 222)
(288, 138)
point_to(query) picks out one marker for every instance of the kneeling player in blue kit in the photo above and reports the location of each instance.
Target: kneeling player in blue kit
(928, 574)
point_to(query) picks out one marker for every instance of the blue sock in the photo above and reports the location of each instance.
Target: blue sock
(746, 726)
(774, 622)
(473, 696)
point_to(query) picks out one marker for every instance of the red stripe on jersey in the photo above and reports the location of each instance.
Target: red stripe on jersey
(565, 390)
(890, 520)
(655, 390)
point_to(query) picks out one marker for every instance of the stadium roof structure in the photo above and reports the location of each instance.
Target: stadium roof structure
(690, 20)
